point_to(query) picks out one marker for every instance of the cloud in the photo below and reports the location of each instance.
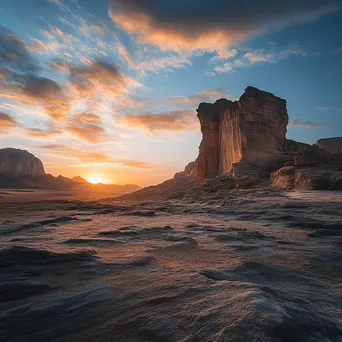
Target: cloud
(260, 56)
(92, 157)
(323, 109)
(304, 124)
(35, 90)
(6, 122)
(176, 121)
(56, 2)
(14, 54)
(69, 152)
(212, 25)
(87, 127)
(208, 95)
(165, 63)
(128, 103)
(43, 134)
(98, 77)
(135, 164)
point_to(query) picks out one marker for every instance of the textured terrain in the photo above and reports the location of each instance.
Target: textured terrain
(260, 266)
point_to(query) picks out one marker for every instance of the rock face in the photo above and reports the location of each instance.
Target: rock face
(308, 178)
(15, 162)
(331, 145)
(252, 130)
(208, 159)
(190, 170)
(310, 156)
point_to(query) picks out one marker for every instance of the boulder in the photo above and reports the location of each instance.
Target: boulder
(16, 162)
(283, 178)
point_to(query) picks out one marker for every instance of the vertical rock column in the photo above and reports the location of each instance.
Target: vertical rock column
(208, 158)
(230, 138)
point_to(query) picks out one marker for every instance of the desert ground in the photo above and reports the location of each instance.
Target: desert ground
(266, 266)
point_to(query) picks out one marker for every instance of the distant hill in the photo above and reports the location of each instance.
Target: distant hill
(20, 169)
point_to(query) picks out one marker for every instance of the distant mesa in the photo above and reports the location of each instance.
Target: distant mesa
(20, 169)
(16, 162)
(331, 145)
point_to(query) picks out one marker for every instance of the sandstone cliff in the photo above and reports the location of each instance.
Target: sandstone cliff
(331, 145)
(15, 162)
(250, 130)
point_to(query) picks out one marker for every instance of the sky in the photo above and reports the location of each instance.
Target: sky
(109, 88)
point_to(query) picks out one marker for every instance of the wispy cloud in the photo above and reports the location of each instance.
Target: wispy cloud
(174, 121)
(43, 134)
(86, 157)
(7, 122)
(305, 124)
(260, 56)
(87, 127)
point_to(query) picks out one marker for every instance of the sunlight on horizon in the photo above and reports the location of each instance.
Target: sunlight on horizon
(95, 179)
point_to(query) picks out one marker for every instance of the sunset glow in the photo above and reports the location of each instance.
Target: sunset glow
(111, 87)
(95, 179)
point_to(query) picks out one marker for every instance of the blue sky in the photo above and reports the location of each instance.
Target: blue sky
(111, 87)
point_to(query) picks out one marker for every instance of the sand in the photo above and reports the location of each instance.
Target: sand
(257, 268)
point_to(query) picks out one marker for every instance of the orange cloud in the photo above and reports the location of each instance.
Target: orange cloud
(43, 134)
(135, 164)
(169, 121)
(208, 95)
(193, 25)
(69, 152)
(33, 90)
(6, 122)
(87, 127)
(98, 77)
(92, 157)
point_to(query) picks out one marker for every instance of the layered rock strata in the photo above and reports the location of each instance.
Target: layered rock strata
(251, 130)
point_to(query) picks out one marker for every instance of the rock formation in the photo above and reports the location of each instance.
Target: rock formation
(331, 145)
(250, 130)
(311, 156)
(15, 162)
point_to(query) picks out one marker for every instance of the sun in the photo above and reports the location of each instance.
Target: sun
(95, 179)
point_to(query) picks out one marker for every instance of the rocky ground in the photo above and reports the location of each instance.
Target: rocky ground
(237, 265)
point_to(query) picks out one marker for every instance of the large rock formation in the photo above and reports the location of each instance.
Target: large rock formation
(331, 145)
(251, 130)
(15, 162)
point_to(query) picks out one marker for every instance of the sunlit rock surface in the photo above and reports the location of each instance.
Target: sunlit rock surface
(15, 162)
(252, 129)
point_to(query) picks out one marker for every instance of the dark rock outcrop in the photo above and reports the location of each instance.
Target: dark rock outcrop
(331, 145)
(310, 156)
(16, 162)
